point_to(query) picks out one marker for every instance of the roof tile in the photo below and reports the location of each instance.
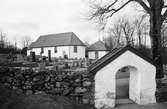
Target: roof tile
(61, 39)
(97, 46)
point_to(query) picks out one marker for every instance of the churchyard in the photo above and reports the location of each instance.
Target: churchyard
(72, 79)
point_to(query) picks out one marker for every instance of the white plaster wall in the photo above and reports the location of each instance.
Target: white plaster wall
(36, 50)
(143, 90)
(28, 52)
(80, 52)
(45, 53)
(134, 84)
(60, 51)
(91, 54)
(68, 50)
(102, 53)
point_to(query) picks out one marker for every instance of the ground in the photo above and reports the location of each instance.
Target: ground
(135, 106)
(131, 106)
(122, 102)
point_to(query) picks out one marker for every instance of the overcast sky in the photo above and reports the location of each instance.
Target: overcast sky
(19, 18)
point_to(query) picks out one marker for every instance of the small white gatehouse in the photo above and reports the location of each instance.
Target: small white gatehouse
(58, 45)
(97, 50)
(142, 84)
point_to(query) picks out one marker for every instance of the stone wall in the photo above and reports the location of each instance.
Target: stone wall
(78, 86)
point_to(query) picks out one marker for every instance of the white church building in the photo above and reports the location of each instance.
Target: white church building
(97, 50)
(58, 45)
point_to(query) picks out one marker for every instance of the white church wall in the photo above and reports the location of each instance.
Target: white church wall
(91, 54)
(79, 54)
(61, 51)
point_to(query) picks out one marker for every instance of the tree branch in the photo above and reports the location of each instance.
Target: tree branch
(104, 12)
(165, 6)
(112, 4)
(113, 11)
(143, 4)
(164, 16)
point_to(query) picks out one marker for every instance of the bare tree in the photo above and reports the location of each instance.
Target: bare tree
(124, 32)
(141, 28)
(157, 11)
(26, 40)
(121, 33)
(116, 32)
(128, 32)
(2, 39)
(109, 43)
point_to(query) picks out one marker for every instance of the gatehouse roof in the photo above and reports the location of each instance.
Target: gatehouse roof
(114, 54)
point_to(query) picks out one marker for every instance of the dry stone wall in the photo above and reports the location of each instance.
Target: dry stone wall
(78, 86)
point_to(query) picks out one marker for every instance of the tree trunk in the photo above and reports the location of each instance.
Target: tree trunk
(155, 35)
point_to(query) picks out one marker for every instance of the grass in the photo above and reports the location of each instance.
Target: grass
(11, 100)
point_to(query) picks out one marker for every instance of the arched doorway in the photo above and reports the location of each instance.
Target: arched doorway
(122, 83)
(127, 85)
(142, 84)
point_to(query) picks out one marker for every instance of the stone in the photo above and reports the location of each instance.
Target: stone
(85, 101)
(29, 92)
(77, 80)
(80, 90)
(19, 91)
(40, 92)
(66, 92)
(58, 84)
(62, 83)
(42, 66)
(86, 83)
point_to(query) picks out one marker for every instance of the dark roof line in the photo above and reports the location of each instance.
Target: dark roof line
(54, 46)
(112, 55)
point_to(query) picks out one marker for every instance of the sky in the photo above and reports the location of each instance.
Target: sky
(33, 18)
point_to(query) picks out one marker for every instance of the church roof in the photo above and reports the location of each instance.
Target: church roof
(60, 39)
(97, 46)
